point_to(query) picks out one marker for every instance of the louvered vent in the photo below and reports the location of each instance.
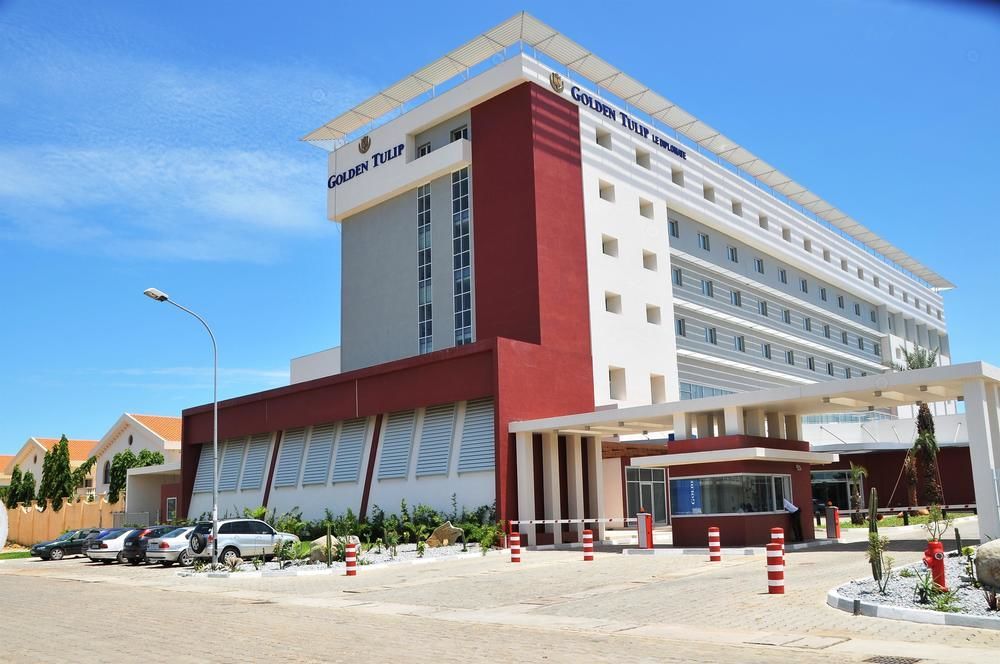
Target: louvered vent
(290, 457)
(435, 440)
(477, 437)
(395, 458)
(232, 459)
(349, 448)
(253, 468)
(318, 458)
(203, 477)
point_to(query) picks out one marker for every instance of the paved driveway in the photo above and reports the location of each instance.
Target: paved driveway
(551, 607)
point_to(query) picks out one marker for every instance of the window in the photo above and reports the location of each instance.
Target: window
(616, 382)
(762, 308)
(782, 275)
(678, 276)
(681, 327)
(861, 273)
(892, 289)
(649, 260)
(822, 294)
(704, 242)
(107, 472)
(740, 343)
(877, 349)
(871, 315)
(425, 317)
(807, 323)
(171, 508)
(707, 288)
(786, 315)
(606, 191)
(728, 494)
(807, 245)
(843, 264)
(811, 363)
(790, 357)
(843, 336)
(711, 336)
(786, 234)
(829, 368)
(657, 388)
(765, 350)
(603, 138)
(906, 298)
(423, 149)
(675, 228)
(612, 303)
(826, 255)
(857, 309)
(738, 208)
(677, 176)
(642, 158)
(609, 245)
(733, 254)
(709, 193)
(826, 331)
(804, 285)
(840, 301)
(762, 222)
(652, 314)
(875, 281)
(861, 343)
(736, 298)
(847, 372)
(645, 208)
(460, 133)
(462, 252)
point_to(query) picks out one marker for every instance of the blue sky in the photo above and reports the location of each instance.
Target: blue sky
(146, 146)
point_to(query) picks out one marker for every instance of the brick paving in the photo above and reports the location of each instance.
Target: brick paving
(552, 607)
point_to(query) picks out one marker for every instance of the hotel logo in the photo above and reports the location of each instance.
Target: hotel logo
(556, 81)
(364, 144)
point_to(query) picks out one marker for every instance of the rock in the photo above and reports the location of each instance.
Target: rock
(988, 563)
(317, 554)
(444, 535)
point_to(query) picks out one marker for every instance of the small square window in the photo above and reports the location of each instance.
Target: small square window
(786, 234)
(790, 356)
(804, 285)
(847, 372)
(807, 323)
(861, 273)
(645, 208)
(709, 193)
(613, 303)
(738, 208)
(736, 298)
(681, 327)
(707, 288)
(609, 245)
(616, 383)
(642, 158)
(872, 316)
(822, 294)
(843, 264)
(652, 314)
(762, 308)
(677, 176)
(857, 309)
(892, 289)
(460, 133)
(807, 245)
(826, 255)
(876, 348)
(649, 260)
(423, 149)
(762, 222)
(758, 265)
(740, 343)
(843, 336)
(603, 138)
(675, 228)
(711, 336)
(782, 275)
(704, 242)
(875, 281)
(811, 363)
(678, 276)
(657, 388)
(786, 315)
(765, 350)
(607, 190)
(861, 343)
(840, 301)
(733, 254)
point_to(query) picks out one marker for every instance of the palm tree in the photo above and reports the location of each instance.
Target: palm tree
(918, 358)
(921, 459)
(857, 472)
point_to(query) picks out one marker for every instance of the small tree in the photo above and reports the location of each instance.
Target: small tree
(14, 490)
(26, 492)
(57, 476)
(925, 450)
(120, 465)
(857, 472)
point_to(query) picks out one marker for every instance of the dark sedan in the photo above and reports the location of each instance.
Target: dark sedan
(70, 543)
(134, 549)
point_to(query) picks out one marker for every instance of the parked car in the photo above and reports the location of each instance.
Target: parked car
(136, 543)
(70, 543)
(170, 547)
(238, 538)
(109, 545)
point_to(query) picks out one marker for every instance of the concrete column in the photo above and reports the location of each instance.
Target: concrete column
(734, 421)
(983, 420)
(793, 427)
(755, 422)
(525, 484)
(882, 314)
(574, 484)
(775, 425)
(703, 423)
(682, 426)
(595, 471)
(922, 335)
(550, 484)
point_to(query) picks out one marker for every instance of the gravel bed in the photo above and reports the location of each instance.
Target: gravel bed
(405, 553)
(900, 591)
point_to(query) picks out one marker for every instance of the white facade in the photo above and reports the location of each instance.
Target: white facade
(129, 433)
(315, 365)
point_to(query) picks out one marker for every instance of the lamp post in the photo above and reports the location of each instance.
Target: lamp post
(160, 296)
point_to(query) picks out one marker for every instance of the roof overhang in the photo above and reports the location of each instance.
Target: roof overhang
(160, 469)
(737, 454)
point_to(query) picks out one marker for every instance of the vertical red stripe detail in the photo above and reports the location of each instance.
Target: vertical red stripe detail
(363, 511)
(270, 471)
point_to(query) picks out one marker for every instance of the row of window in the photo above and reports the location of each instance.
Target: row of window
(740, 345)
(642, 158)
(425, 317)
(462, 253)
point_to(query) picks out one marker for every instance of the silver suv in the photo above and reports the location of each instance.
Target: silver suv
(238, 538)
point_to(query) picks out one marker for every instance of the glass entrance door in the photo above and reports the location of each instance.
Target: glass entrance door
(646, 489)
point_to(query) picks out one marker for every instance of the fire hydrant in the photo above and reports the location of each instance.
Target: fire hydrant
(934, 561)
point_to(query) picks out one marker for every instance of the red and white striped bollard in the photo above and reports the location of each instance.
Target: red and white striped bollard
(714, 545)
(588, 545)
(778, 535)
(351, 558)
(515, 547)
(775, 570)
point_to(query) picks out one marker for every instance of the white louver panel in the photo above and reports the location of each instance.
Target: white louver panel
(232, 460)
(206, 467)
(395, 458)
(477, 437)
(435, 440)
(318, 458)
(253, 467)
(349, 448)
(290, 458)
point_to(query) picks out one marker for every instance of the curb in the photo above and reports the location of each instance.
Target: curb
(917, 526)
(862, 608)
(746, 551)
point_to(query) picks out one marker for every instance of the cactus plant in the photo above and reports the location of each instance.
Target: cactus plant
(881, 564)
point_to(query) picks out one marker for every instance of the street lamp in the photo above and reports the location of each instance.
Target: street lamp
(160, 296)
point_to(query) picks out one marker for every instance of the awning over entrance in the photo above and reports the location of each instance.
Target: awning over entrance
(739, 454)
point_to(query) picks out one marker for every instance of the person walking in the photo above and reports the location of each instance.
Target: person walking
(795, 516)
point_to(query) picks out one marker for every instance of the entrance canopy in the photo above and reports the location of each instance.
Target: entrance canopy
(777, 413)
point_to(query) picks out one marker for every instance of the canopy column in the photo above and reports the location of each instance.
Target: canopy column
(983, 419)
(524, 443)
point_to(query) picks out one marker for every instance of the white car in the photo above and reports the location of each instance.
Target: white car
(170, 548)
(238, 538)
(109, 545)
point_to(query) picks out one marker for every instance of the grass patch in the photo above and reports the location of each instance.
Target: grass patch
(11, 555)
(891, 521)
